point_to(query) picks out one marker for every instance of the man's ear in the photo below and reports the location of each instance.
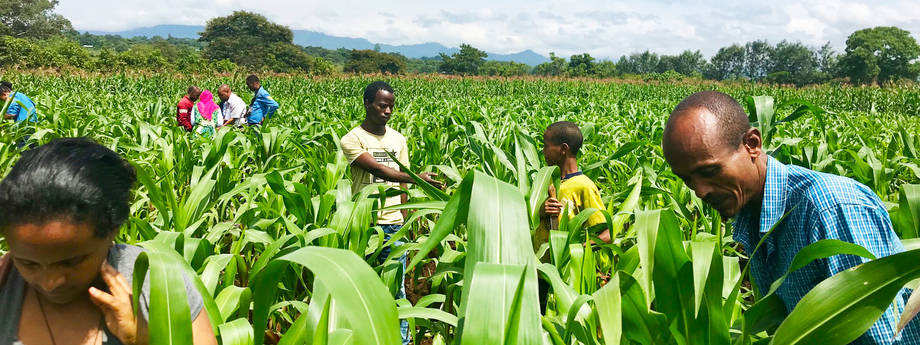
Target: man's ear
(753, 142)
(565, 149)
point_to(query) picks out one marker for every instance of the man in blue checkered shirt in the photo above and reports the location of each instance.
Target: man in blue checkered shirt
(710, 144)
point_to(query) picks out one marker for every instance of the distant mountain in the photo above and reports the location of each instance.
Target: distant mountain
(319, 39)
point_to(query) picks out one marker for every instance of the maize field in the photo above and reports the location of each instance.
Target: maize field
(264, 220)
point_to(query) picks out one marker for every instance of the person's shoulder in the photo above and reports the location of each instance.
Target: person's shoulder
(395, 134)
(579, 183)
(352, 134)
(823, 190)
(23, 97)
(123, 256)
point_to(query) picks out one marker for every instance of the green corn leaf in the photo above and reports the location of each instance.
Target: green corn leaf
(169, 317)
(236, 332)
(493, 290)
(608, 302)
(353, 285)
(841, 308)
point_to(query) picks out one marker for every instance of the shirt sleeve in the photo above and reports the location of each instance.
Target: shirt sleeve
(14, 108)
(871, 228)
(194, 118)
(183, 117)
(266, 103)
(591, 198)
(352, 147)
(270, 105)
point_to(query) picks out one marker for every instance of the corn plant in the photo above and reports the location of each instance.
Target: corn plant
(263, 222)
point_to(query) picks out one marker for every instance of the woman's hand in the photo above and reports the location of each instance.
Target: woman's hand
(117, 307)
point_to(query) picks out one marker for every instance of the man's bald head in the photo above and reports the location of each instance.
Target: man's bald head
(732, 121)
(709, 144)
(223, 91)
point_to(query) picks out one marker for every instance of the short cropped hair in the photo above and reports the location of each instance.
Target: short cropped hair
(734, 122)
(6, 86)
(371, 90)
(70, 179)
(565, 132)
(252, 78)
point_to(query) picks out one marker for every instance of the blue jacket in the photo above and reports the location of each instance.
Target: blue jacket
(22, 108)
(263, 106)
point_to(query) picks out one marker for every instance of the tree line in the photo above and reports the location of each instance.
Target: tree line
(35, 37)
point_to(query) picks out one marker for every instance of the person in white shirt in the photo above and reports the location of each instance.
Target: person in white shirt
(232, 106)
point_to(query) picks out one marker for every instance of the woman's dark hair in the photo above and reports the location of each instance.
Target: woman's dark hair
(72, 179)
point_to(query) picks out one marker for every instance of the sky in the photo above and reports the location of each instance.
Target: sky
(605, 29)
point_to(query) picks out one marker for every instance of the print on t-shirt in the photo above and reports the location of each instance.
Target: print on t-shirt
(380, 155)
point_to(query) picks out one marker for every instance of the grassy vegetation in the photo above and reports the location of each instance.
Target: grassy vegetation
(265, 217)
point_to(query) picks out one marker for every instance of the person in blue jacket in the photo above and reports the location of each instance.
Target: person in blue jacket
(262, 106)
(21, 107)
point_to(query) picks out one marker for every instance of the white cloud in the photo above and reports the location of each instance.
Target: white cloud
(602, 28)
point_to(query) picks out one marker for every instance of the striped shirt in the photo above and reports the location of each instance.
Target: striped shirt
(820, 206)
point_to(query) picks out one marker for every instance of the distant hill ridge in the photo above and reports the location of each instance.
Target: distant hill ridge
(319, 39)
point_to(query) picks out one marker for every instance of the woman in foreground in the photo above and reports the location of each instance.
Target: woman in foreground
(64, 280)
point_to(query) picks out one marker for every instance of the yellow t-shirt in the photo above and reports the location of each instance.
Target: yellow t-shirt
(577, 194)
(357, 142)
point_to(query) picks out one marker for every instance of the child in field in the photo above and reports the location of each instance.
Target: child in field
(561, 143)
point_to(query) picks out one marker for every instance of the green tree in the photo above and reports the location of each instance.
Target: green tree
(794, 63)
(757, 61)
(581, 65)
(605, 69)
(880, 54)
(372, 61)
(503, 68)
(827, 59)
(465, 62)
(286, 57)
(555, 67)
(639, 63)
(686, 63)
(424, 65)
(244, 38)
(31, 19)
(728, 63)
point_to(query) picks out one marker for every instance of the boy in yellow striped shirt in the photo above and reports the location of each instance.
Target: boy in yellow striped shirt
(561, 143)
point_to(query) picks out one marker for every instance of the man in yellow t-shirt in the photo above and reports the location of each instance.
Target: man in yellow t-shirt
(561, 143)
(366, 148)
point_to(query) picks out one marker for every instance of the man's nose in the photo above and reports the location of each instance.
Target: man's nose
(702, 190)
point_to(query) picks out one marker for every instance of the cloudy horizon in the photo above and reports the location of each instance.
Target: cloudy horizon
(603, 29)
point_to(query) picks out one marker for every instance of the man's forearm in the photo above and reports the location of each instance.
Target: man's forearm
(392, 175)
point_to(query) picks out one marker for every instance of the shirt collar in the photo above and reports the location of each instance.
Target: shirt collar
(771, 209)
(568, 176)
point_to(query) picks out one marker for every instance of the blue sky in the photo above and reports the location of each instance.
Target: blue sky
(601, 28)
